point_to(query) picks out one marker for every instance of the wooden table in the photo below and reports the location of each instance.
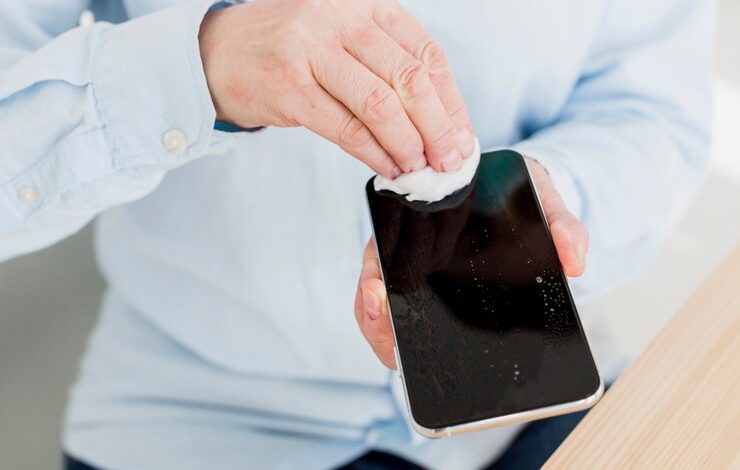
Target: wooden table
(678, 405)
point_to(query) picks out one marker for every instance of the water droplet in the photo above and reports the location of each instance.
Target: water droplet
(538, 279)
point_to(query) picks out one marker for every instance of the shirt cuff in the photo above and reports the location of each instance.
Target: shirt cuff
(151, 90)
(552, 162)
(228, 127)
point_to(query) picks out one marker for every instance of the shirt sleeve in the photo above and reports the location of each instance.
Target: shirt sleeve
(631, 145)
(94, 116)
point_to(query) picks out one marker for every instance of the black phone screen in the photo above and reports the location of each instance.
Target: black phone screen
(484, 321)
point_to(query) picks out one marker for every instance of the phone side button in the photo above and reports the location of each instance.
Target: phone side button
(398, 362)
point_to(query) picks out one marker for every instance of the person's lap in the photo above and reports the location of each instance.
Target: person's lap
(529, 450)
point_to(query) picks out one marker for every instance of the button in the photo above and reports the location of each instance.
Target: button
(28, 195)
(372, 437)
(87, 18)
(175, 141)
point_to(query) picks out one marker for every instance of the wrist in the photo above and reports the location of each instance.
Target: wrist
(211, 44)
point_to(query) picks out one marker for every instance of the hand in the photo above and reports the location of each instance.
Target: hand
(371, 305)
(363, 74)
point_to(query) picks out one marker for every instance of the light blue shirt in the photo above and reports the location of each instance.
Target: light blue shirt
(227, 338)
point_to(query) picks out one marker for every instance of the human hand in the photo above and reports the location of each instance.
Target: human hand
(363, 74)
(371, 306)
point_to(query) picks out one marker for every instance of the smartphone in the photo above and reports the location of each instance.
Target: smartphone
(486, 330)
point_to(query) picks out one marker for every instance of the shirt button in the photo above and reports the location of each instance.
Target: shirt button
(87, 18)
(372, 437)
(175, 141)
(28, 195)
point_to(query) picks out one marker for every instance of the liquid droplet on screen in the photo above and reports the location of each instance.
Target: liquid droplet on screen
(538, 279)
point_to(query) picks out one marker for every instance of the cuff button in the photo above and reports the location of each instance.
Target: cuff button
(175, 141)
(28, 195)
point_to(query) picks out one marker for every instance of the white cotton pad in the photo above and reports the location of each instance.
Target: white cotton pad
(429, 185)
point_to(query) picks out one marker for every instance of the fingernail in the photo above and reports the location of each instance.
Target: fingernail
(372, 303)
(420, 163)
(466, 142)
(396, 172)
(452, 161)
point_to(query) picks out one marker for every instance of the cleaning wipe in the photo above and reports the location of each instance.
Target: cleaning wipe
(430, 185)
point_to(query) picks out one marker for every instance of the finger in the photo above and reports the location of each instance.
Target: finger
(371, 294)
(410, 79)
(375, 103)
(403, 28)
(332, 120)
(568, 234)
(370, 253)
(377, 329)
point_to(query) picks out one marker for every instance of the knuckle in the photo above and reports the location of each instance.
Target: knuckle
(364, 34)
(353, 134)
(386, 13)
(285, 72)
(295, 102)
(432, 54)
(378, 105)
(412, 79)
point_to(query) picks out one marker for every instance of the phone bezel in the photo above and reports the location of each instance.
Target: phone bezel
(511, 418)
